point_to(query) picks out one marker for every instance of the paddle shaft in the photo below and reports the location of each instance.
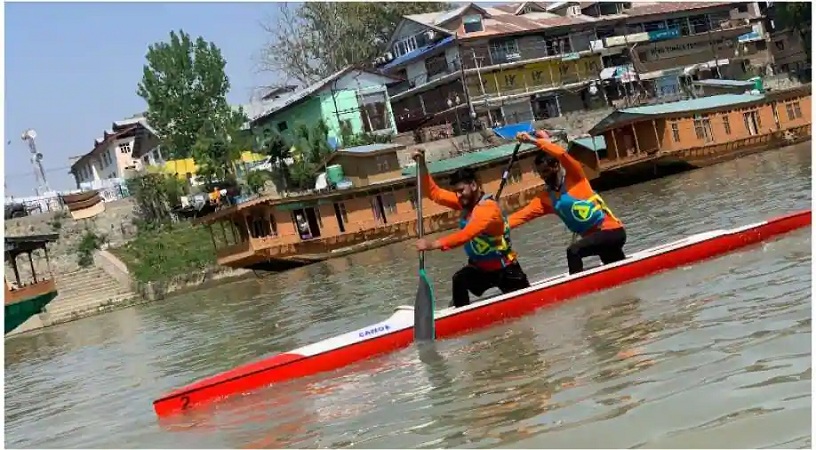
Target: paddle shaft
(506, 173)
(424, 303)
(420, 227)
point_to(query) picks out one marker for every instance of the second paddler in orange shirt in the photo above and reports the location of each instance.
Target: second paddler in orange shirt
(483, 231)
(569, 196)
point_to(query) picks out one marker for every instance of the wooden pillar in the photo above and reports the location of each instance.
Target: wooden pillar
(634, 133)
(248, 228)
(31, 261)
(615, 144)
(47, 261)
(15, 269)
(657, 135)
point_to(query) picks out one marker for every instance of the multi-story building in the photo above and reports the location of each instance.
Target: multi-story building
(534, 60)
(113, 153)
(789, 51)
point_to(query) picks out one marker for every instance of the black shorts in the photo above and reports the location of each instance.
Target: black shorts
(473, 280)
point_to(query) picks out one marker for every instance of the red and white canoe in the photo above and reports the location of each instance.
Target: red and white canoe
(397, 331)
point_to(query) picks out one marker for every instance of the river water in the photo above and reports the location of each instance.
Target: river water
(712, 355)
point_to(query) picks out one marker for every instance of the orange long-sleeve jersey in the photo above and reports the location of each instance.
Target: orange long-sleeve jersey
(575, 182)
(486, 217)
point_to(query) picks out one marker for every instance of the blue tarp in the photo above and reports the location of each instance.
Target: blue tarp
(510, 131)
(416, 53)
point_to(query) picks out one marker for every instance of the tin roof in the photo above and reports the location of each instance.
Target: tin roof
(628, 115)
(370, 148)
(726, 83)
(596, 144)
(471, 159)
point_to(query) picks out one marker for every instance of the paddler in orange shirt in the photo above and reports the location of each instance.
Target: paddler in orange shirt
(483, 231)
(569, 195)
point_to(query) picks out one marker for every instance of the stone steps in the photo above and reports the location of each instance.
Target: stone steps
(83, 293)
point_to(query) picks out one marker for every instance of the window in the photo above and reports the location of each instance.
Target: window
(751, 122)
(382, 164)
(515, 174)
(654, 26)
(681, 23)
(742, 7)
(726, 125)
(675, 132)
(413, 199)
(124, 147)
(702, 128)
(282, 126)
(504, 50)
(389, 204)
(340, 208)
(473, 23)
(699, 24)
(557, 45)
(793, 110)
(780, 44)
(373, 111)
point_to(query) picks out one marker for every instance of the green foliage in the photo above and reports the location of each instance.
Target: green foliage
(90, 241)
(797, 17)
(350, 139)
(155, 194)
(256, 180)
(185, 87)
(271, 143)
(168, 251)
(317, 39)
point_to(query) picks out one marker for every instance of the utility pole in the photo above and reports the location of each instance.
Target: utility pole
(465, 89)
(478, 63)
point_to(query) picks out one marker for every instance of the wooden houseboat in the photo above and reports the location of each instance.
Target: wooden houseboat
(693, 133)
(27, 297)
(370, 204)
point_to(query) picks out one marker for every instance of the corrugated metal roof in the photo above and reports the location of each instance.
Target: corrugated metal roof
(471, 159)
(370, 148)
(715, 101)
(669, 7)
(728, 83)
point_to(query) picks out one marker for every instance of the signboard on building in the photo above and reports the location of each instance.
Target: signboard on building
(535, 76)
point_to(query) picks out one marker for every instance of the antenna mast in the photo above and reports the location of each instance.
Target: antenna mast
(36, 161)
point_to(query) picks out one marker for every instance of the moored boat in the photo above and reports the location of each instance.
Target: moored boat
(397, 331)
(26, 298)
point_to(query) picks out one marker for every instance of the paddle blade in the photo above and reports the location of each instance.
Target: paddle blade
(424, 310)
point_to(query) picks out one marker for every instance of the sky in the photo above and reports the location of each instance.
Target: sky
(71, 69)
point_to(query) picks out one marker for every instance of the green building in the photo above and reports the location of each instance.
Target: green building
(357, 97)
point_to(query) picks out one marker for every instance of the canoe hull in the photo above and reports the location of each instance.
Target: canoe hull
(397, 331)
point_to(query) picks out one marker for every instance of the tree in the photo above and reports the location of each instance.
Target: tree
(185, 87)
(797, 17)
(317, 39)
(272, 144)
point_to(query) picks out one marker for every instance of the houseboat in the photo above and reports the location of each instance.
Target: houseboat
(370, 202)
(26, 297)
(693, 133)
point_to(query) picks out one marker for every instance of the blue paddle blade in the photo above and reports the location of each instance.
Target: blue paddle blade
(424, 310)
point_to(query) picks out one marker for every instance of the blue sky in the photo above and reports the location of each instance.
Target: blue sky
(72, 68)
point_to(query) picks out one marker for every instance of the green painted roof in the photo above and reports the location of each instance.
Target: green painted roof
(596, 144)
(629, 115)
(703, 103)
(471, 159)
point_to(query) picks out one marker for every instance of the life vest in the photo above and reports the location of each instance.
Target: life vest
(484, 247)
(579, 215)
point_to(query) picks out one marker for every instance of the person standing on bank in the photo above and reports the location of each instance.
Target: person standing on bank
(483, 231)
(569, 195)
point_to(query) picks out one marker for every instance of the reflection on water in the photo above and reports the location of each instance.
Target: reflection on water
(713, 355)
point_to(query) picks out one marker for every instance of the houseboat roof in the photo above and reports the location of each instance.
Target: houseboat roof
(725, 83)
(370, 149)
(629, 115)
(20, 244)
(596, 144)
(470, 159)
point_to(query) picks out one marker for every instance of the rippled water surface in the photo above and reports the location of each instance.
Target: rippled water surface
(712, 355)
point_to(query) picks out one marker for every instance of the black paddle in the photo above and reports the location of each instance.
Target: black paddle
(424, 303)
(506, 173)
